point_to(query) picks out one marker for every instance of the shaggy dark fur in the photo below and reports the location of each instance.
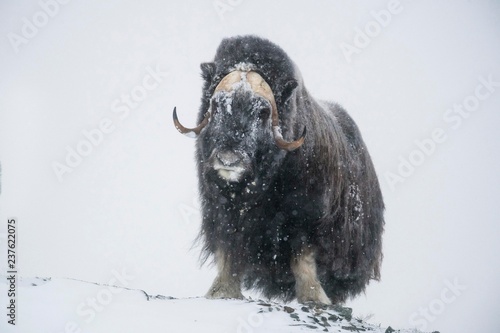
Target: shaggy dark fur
(324, 195)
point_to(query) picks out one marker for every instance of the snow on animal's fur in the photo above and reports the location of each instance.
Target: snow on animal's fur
(289, 212)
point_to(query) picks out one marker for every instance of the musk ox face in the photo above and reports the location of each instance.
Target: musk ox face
(239, 131)
(240, 139)
(237, 145)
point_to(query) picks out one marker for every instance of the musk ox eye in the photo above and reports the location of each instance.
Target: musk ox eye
(264, 113)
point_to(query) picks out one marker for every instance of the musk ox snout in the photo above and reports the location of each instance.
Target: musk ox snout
(229, 158)
(230, 165)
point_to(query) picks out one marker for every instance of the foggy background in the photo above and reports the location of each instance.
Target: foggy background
(131, 203)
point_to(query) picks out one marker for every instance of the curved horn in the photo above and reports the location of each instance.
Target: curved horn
(227, 82)
(286, 145)
(278, 137)
(261, 87)
(191, 132)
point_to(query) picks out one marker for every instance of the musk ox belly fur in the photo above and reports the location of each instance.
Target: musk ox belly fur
(290, 198)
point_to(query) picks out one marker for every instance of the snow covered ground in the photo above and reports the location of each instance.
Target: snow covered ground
(64, 305)
(101, 183)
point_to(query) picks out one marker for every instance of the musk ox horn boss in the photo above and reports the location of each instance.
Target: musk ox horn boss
(291, 213)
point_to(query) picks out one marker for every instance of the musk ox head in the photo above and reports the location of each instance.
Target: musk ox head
(239, 138)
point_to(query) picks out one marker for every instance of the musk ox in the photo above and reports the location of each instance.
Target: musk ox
(291, 203)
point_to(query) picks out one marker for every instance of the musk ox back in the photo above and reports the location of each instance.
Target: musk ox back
(291, 203)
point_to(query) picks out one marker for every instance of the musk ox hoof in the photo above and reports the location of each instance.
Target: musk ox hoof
(224, 290)
(313, 294)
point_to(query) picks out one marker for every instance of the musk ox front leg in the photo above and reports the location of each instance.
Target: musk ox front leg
(307, 285)
(227, 284)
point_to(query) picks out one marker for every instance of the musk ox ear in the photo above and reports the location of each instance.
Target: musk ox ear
(288, 89)
(207, 71)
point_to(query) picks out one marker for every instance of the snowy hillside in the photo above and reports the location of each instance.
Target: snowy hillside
(99, 182)
(89, 307)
